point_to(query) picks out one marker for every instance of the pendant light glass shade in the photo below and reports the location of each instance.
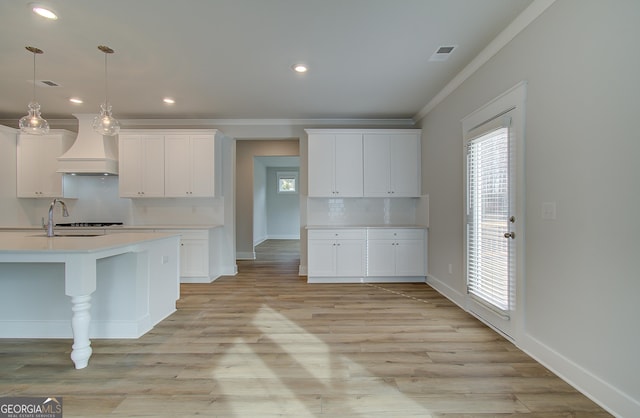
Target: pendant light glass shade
(33, 123)
(105, 124)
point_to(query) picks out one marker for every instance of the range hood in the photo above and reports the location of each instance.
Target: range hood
(91, 153)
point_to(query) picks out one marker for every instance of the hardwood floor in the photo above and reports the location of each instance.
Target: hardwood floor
(265, 343)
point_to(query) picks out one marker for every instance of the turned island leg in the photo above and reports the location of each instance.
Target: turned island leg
(80, 326)
(80, 283)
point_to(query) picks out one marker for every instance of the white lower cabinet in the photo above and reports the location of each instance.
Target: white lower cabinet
(336, 254)
(194, 255)
(396, 252)
(366, 255)
(196, 263)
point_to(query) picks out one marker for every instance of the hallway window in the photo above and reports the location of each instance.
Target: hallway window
(287, 182)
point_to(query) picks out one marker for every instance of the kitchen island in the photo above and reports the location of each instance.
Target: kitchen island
(120, 286)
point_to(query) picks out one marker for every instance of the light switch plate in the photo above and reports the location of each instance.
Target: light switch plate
(549, 211)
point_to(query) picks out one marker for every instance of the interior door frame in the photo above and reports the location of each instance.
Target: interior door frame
(512, 100)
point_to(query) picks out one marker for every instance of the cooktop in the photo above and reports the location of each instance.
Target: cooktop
(88, 224)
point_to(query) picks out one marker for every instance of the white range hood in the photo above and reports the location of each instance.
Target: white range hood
(91, 153)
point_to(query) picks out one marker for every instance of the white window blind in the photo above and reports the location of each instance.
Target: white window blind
(488, 211)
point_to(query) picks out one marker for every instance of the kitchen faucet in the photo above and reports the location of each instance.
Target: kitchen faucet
(65, 213)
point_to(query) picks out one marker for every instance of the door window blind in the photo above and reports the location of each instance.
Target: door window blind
(488, 212)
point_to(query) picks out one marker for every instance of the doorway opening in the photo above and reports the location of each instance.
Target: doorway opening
(263, 210)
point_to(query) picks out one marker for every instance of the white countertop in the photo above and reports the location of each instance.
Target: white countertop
(365, 227)
(166, 226)
(113, 227)
(38, 242)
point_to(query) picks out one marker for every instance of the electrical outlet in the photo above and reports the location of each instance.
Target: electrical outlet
(450, 268)
(549, 211)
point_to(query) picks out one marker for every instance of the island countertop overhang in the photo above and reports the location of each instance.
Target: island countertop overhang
(32, 242)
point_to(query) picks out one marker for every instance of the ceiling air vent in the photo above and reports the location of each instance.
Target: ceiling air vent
(47, 83)
(442, 53)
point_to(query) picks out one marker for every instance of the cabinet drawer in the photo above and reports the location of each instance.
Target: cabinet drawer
(336, 234)
(403, 233)
(78, 231)
(187, 234)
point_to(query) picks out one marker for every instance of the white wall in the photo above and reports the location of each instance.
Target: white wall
(283, 210)
(580, 59)
(260, 216)
(11, 209)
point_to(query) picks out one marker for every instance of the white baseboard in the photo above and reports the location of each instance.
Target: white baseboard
(230, 270)
(290, 236)
(604, 394)
(259, 241)
(410, 279)
(62, 328)
(245, 255)
(199, 279)
(302, 270)
(447, 291)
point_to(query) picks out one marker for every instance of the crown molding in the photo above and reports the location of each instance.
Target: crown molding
(523, 20)
(72, 123)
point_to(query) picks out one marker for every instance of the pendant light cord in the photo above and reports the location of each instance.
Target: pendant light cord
(106, 51)
(106, 82)
(34, 77)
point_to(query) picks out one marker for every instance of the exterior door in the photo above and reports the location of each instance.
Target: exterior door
(493, 216)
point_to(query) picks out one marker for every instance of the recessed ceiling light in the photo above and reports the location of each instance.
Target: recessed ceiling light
(300, 68)
(76, 100)
(43, 11)
(168, 100)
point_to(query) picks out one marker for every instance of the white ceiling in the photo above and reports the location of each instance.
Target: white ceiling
(230, 59)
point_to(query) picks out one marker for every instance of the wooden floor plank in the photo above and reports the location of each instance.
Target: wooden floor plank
(266, 344)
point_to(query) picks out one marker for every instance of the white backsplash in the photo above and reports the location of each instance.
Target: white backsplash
(189, 211)
(363, 211)
(98, 201)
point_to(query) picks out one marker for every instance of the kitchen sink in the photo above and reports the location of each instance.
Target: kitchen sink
(69, 235)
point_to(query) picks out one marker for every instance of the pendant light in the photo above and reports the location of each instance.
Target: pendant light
(33, 123)
(105, 124)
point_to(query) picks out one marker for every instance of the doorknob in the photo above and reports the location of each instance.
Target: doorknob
(511, 235)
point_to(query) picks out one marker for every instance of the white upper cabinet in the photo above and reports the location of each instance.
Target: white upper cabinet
(141, 165)
(169, 163)
(335, 164)
(392, 164)
(189, 166)
(37, 165)
(364, 162)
